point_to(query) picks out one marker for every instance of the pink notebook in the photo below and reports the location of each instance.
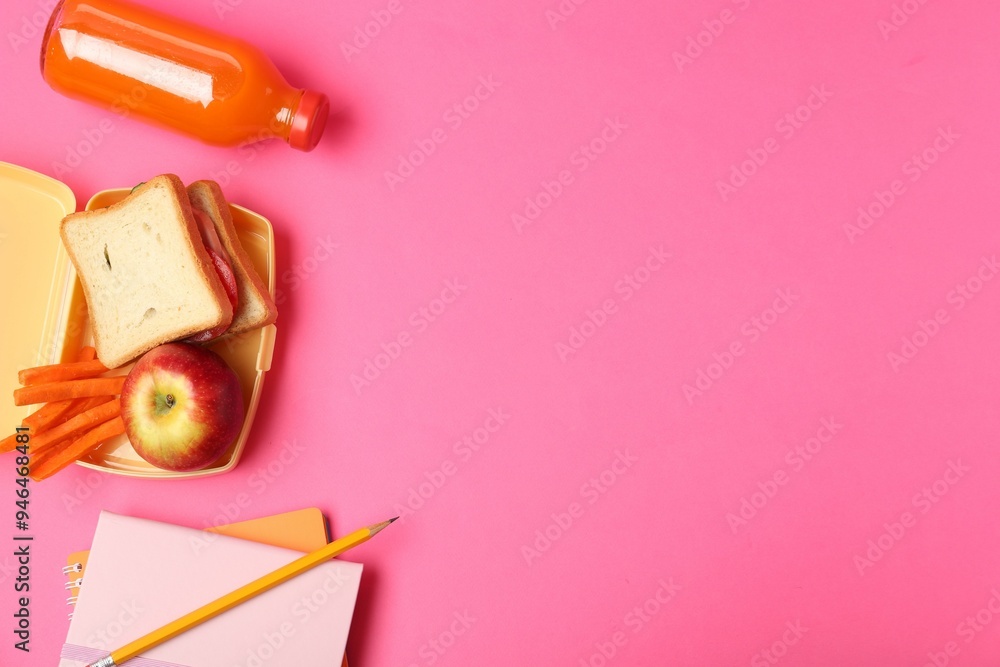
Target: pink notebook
(142, 574)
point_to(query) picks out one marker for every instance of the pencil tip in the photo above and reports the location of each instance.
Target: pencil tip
(379, 526)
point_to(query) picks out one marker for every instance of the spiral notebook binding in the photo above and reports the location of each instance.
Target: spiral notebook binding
(69, 570)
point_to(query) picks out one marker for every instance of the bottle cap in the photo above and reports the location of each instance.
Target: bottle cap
(309, 120)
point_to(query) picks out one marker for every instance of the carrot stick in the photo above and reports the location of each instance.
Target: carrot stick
(59, 458)
(79, 405)
(59, 391)
(84, 421)
(49, 413)
(8, 444)
(60, 372)
(43, 440)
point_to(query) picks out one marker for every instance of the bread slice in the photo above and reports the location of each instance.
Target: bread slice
(255, 307)
(145, 272)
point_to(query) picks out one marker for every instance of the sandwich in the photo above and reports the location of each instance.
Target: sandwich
(254, 307)
(164, 264)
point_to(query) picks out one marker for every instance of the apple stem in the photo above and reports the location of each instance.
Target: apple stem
(170, 400)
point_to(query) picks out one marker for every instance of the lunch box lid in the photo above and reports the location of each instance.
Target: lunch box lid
(31, 207)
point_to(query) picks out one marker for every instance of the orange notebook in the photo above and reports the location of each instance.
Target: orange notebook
(303, 530)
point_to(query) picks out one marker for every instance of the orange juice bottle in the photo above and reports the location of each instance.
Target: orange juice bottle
(135, 60)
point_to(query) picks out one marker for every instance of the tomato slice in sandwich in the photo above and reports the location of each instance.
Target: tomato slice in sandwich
(225, 272)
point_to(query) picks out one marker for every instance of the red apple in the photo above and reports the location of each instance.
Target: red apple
(182, 407)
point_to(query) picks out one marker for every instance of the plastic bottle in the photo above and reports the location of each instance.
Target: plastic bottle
(140, 62)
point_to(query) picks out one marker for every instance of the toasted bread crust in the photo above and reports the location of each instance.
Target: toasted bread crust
(210, 194)
(205, 270)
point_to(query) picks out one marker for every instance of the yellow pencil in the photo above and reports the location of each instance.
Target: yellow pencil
(240, 595)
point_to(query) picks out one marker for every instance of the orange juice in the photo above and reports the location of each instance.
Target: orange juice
(215, 87)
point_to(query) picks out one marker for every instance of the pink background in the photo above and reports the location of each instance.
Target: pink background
(789, 575)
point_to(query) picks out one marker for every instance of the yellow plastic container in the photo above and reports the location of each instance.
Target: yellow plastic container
(45, 314)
